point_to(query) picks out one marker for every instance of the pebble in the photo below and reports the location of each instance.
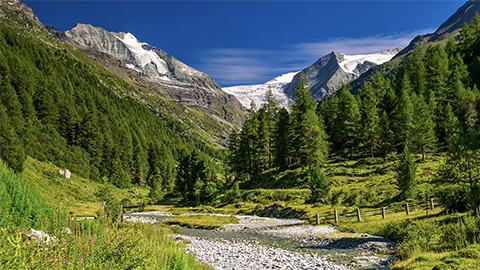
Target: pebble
(239, 255)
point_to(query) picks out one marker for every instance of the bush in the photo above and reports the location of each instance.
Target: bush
(454, 198)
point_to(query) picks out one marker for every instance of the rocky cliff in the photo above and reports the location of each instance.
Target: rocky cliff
(164, 74)
(449, 29)
(328, 73)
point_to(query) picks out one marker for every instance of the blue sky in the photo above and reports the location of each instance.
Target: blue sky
(249, 42)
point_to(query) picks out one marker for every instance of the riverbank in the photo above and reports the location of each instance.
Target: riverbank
(270, 243)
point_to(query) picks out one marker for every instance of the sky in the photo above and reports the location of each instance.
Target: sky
(250, 42)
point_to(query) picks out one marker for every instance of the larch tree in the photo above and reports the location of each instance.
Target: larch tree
(309, 145)
(423, 132)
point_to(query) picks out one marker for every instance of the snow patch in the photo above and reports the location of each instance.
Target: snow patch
(256, 93)
(285, 78)
(143, 56)
(350, 62)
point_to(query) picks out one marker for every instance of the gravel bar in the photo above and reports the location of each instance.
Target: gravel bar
(222, 254)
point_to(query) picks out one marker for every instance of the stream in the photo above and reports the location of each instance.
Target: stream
(267, 243)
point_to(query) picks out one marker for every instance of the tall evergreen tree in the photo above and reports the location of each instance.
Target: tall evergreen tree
(309, 145)
(403, 120)
(416, 71)
(282, 142)
(406, 178)
(423, 138)
(348, 121)
(451, 126)
(233, 160)
(271, 108)
(11, 147)
(387, 135)
(318, 184)
(370, 117)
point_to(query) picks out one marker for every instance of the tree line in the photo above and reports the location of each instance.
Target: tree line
(430, 104)
(55, 106)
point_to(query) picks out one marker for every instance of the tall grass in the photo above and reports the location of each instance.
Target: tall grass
(88, 244)
(19, 204)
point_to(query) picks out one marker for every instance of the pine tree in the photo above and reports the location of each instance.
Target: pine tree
(379, 85)
(139, 158)
(348, 126)
(271, 109)
(11, 147)
(9, 99)
(423, 138)
(466, 107)
(451, 126)
(282, 142)
(309, 144)
(416, 71)
(406, 178)
(437, 73)
(262, 142)
(387, 135)
(161, 173)
(233, 158)
(370, 118)
(318, 184)
(403, 120)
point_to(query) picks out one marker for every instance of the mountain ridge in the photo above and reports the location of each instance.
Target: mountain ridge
(165, 74)
(325, 76)
(328, 73)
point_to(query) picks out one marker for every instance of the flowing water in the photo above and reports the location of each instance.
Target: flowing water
(356, 258)
(359, 259)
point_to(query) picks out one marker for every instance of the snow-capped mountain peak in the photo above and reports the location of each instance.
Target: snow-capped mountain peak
(142, 55)
(256, 93)
(351, 62)
(324, 77)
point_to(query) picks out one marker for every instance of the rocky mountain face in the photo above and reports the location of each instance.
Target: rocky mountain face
(448, 29)
(164, 74)
(256, 93)
(328, 73)
(16, 12)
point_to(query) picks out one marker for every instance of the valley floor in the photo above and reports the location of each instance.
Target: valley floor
(269, 243)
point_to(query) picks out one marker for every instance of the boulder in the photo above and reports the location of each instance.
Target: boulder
(41, 237)
(65, 173)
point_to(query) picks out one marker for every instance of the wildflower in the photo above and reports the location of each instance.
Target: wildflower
(93, 240)
(81, 259)
(66, 261)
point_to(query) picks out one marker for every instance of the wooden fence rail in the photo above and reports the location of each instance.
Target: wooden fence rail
(123, 207)
(426, 205)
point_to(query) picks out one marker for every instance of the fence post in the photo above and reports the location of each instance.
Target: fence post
(359, 217)
(121, 212)
(407, 208)
(432, 205)
(383, 213)
(335, 213)
(317, 219)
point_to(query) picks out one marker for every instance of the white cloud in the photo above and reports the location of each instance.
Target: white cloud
(233, 66)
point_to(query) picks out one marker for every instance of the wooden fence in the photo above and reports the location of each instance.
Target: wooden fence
(127, 206)
(122, 211)
(408, 207)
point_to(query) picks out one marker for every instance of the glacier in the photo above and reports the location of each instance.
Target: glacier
(256, 93)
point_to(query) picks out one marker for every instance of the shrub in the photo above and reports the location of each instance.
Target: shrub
(454, 198)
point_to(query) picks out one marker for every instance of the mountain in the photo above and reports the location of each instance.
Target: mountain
(165, 74)
(328, 73)
(256, 93)
(449, 29)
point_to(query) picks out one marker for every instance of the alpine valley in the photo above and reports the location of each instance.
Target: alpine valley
(116, 155)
